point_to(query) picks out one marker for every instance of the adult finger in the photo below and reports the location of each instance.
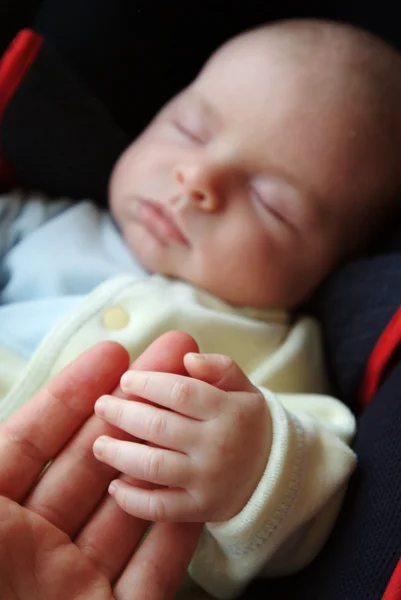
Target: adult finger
(111, 535)
(74, 484)
(39, 429)
(160, 563)
(110, 538)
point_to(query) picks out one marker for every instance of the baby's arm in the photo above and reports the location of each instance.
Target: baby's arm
(268, 480)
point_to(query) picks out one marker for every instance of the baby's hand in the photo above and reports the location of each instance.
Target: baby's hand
(210, 434)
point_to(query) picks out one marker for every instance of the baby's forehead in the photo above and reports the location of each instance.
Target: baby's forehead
(244, 66)
(253, 61)
(251, 74)
(255, 49)
(249, 80)
(322, 52)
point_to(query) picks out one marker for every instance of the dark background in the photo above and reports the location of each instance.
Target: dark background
(135, 54)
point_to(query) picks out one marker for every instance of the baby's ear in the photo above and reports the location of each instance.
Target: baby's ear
(218, 370)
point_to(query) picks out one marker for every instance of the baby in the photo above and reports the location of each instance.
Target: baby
(277, 163)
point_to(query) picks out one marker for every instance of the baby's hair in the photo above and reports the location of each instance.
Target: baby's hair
(365, 72)
(374, 66)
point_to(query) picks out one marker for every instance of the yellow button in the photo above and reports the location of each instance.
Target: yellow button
(115, 318)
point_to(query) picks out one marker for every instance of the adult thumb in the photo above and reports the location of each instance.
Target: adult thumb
(218, 370)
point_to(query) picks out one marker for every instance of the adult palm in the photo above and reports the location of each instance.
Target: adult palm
(61, 535)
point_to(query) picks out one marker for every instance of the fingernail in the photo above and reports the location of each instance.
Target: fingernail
(196, 355)
(100, 406)
(222, 359)
(126, 380)
(112, 487)
(99, 446)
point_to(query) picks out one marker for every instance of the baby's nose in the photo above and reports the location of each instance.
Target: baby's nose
(198, 185)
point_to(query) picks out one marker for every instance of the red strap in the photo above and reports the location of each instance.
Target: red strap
(393, 591)
(13, 67)
(385, 348)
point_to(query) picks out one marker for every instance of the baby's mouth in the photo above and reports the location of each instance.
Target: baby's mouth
(159, 221)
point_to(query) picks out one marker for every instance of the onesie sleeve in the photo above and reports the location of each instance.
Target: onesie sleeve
(293, 509)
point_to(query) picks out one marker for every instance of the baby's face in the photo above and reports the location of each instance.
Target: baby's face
(239, 185)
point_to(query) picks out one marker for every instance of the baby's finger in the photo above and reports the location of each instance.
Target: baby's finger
(146, 422)
(190, 397)
(146, 463)
(218, 370)
(164, 505)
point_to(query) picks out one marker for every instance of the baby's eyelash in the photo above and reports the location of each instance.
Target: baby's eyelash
(276, 214)
(194, 137)
(267, 208)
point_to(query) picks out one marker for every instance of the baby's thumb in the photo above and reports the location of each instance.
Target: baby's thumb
(218, 370)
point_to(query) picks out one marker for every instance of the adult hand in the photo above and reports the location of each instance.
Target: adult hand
(61, 535)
